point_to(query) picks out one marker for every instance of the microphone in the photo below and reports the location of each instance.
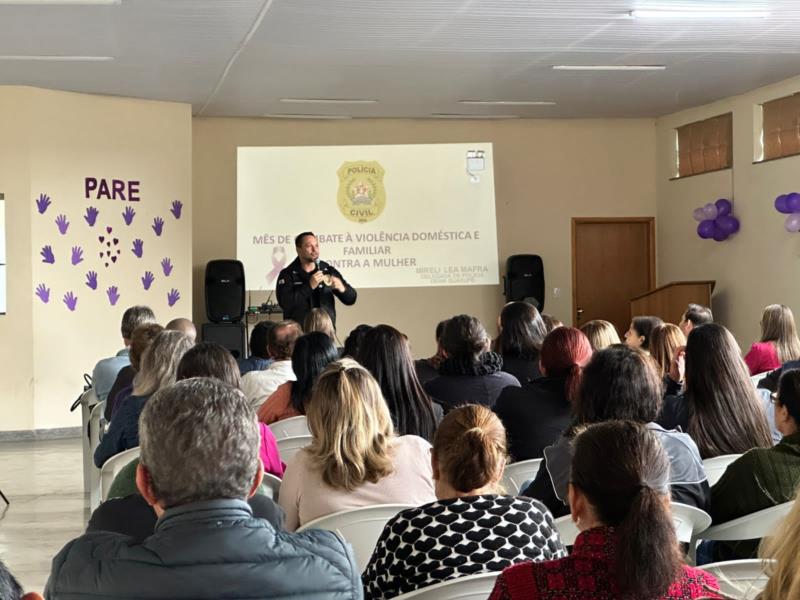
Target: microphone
(316, 262)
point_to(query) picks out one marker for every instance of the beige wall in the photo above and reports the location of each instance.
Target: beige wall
(757, 266)
(546, 172)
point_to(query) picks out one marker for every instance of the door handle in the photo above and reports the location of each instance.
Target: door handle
(579, 311)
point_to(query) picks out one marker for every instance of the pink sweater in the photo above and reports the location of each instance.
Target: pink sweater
(268, 452)
(762, 357)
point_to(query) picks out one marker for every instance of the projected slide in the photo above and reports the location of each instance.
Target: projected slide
(385, 216)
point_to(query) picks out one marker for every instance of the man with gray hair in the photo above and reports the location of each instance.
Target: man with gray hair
(199, 462)
(105, 371)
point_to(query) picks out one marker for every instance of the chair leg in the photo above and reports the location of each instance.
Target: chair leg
(3, 496)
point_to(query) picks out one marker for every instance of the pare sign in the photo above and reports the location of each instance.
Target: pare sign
(111, 189)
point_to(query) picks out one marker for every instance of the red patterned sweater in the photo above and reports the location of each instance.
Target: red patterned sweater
(587, 574)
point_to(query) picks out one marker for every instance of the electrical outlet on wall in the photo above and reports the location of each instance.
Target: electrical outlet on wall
(556, 292)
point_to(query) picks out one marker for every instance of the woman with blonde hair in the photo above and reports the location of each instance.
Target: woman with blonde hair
(784, 552)
(354, 459)
(665, 341)
(318, 319)
(601, 334)
(779, 343)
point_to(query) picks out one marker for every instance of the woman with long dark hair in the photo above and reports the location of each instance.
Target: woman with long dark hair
(385, 353)
(638, 334)
(627, 549)
(522, 332)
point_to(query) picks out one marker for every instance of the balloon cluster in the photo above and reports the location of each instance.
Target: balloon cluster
(716, 220)
(789, 204)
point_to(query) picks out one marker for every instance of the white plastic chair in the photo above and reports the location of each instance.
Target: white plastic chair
(749, 527)
(517, 473)
(689, 521)
(94, 427)
(715, 467)
(743, 579)
(87, 401)
(292, 427)
(567, 530)
(471, 587)
(112, 467)
(361, 527)
(272, 484)
(290, 446)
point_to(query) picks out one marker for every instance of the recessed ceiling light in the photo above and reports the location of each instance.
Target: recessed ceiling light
(471, 116)
(508, 102)
(609, 67)
(306, 116)
(55, 58)
(328, 101)
(702, 13)
(59, 2)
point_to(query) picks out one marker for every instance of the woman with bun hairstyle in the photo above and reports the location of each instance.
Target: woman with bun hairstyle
(536, 414)
(619, 499)
(470, 528)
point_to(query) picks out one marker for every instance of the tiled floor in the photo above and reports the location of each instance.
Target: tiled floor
(44, 482)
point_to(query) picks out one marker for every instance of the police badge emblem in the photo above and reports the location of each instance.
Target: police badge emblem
(361, 196)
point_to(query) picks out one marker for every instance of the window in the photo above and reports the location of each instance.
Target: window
(781, 127)
(705, 146)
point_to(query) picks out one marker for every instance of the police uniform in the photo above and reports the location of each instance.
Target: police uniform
(296, 297)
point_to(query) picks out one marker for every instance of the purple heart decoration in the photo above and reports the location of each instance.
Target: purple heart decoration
(716, 221)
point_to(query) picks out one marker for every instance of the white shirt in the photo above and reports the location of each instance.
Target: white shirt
(259, 385)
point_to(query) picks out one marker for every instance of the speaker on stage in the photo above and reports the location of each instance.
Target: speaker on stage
(231, 335)
(524, 279)
(225, 290)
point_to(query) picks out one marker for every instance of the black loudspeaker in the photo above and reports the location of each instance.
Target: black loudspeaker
(231, 335)
(524, 279)
(225, 291)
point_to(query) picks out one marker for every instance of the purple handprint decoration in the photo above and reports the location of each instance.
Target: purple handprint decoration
(43, 292)
(173, 296)
(71, 300)
(177, 207)
(128, 215)
(148, 279)
(77, 255)
(158, 225)
(91, 280)
(47, 255)
(91, 215)
(63, 224)
(138, 248)
(42, 203)
(113, 294)
(166, 265)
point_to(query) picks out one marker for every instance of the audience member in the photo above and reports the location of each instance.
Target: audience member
(601, 334)
(185, 326)
(694, 316)
(158, 369)
(141, 339)
(779, 343)
(428, 368)
(551, 322)
(522, 332)
(353, 341)
(469, 374)
(319, 319)
(385, 353)
(782, 556)
(259, 356)
(638, 334)
(10, 589)
(354, 458)
(621, 382)
(665, 341)
(206, 544)
(719, 407)
(312, 353)
(470, 528)
(536, 414)
(259, 385)
(619, 500)
(106, 370)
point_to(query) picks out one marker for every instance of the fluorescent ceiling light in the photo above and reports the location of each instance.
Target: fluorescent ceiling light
(706, 13)
(306, 116)
(55, 58)
(59, 2)
(327, 101)
(508, 102)
(609, 67)
(471, 116)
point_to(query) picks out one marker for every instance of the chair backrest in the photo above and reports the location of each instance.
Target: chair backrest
(471, 587)
(290, 446)
(689, 521)
(93, 427)
(112, 467)
(87, 402)
(567, 530)
(361, 527)
(517, 473)
(750, 527)
(715, 467)
(271, 484)
(742, 579)
(292, 427)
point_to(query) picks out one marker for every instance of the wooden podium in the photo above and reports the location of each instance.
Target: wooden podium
(669, 301)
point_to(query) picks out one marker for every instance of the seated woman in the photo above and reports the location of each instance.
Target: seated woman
(536, 414)
(638, 334)
(665, 342)
(522, 332)
(318, 319)
(312, 353)
(471, 528)
(627, 548)
(621, 383)
(601, 334)
(385, 353)
(158, 367)
(779, 343)
(470, 374)
(719, 406)
(428, 368)
(762, 477)
(781, 552)
(141, 338)
(354, 458)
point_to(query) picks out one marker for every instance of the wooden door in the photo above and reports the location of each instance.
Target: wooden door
(613, 260)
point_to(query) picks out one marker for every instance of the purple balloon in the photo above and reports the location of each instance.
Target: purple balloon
(781, 205)
(719, 235)
(698, 214)
(793, 202)
(724, 207)
(792, 224)
(710, 211)
(706, 229)
(728, 224)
